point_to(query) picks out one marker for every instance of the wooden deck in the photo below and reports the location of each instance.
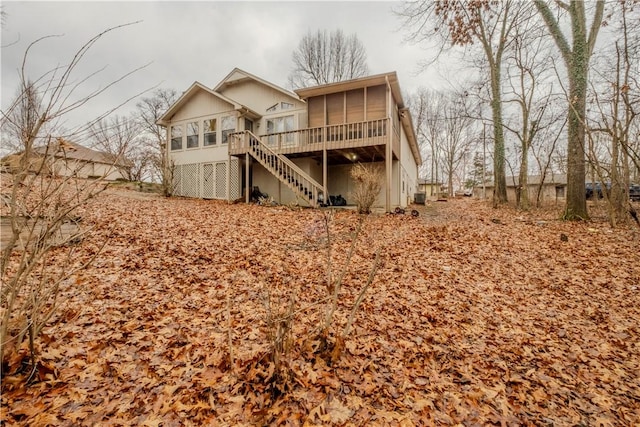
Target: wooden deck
(332, 137)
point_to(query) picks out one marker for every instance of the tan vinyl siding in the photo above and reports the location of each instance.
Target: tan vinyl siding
(316, 111)
(355, 105)
(335, 108)
(376, 102)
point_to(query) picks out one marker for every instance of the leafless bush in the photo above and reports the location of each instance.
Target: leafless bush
(368, 183)
(42, 207)
(271, 370)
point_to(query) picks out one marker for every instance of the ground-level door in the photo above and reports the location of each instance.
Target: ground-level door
(214, 180)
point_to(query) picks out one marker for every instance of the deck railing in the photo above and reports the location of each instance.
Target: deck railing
(331, 137)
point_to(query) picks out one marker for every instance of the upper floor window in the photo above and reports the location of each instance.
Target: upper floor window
(176, 137)
(210, 132)
(228, 125)
(192, 135)
(281, 124)
(280, 105)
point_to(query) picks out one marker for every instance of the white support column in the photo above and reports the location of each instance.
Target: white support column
(388, 151)
(228, 189)
(246, 177)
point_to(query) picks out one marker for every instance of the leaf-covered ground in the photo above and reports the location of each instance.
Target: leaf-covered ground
(476, 316)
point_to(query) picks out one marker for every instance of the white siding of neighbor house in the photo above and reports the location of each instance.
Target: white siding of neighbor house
(83, 169)
(409, 171)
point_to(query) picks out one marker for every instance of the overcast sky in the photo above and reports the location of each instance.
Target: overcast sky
(195, 41)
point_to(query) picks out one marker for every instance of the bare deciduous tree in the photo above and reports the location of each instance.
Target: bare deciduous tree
(154, 137)
(323, 58)
(615, 96)
(576, 58)
(116, 136)
(41, 208)
(462, 23)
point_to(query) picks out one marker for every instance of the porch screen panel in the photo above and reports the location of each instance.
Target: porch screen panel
(221, 180)
(208, 181)
(355, 106)
(335, 108)
(316, 111)
(376, 102)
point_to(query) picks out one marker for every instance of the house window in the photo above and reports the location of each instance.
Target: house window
(228, 124)
(176, 137)
(560, 192)
(281, 124)
(210, 132)
(192, 135)
(283, 106)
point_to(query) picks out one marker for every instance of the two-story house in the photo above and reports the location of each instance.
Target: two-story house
(295, 146)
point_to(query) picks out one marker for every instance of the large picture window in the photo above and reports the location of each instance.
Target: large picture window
(192, 135)
(281, 124)
(210, 132)
(228, 124)
(176, 137)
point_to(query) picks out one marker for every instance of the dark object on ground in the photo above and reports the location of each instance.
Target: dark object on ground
(564, 237)
(634, 214)
(496, 221)
(634, 192)
(337, 200)
(256, 194)
(419, 198)
(400, 211)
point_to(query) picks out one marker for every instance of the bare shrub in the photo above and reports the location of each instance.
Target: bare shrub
(368, 183)
(43, 199)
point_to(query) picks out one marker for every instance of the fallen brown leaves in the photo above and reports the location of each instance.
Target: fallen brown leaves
(468, 321)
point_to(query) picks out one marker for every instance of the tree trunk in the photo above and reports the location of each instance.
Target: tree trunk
(499, 173)
(576, 207)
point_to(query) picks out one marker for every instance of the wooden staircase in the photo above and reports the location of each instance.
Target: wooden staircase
(285, 170)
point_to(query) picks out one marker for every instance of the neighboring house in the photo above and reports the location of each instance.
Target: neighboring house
(65, 158)
(247, 133)
(553, 188)
(429, 189)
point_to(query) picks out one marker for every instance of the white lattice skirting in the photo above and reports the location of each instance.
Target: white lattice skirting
(207, 180)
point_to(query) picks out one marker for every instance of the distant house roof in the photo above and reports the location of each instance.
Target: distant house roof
(549, 179)
(72, 151)
(424, 181)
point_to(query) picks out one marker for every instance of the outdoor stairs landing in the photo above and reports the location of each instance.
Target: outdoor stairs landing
(286, 171)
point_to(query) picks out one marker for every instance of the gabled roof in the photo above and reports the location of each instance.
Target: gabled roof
(62, 148)
(189, 93)
(362, 82)
(238, 76)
